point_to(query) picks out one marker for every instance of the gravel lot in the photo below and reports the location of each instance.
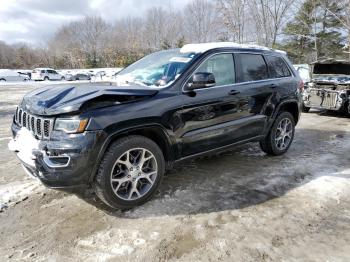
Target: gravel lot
(238, 206)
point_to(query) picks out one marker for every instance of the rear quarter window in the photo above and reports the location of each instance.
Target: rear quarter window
(277, 67)
(252, 67)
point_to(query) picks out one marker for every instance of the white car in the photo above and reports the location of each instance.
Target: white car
(46, 74)
(9, 75)
(304, 72)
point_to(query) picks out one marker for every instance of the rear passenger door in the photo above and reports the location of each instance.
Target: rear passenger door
(280, 74)
(254, 81)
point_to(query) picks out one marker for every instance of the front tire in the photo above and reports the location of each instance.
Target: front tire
(130, 172)
(46, 78)
(281, 135)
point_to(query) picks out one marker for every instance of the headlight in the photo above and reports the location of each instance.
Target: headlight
(69, 125)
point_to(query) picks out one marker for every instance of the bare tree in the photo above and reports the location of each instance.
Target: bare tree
(269, 17)
(233, 16)
(82, 41)
(6, 55)
(154, 30)
(199, 16)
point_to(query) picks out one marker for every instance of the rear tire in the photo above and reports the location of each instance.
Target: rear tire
(305, 109)
(130, 172)
(2, 80)
(280, 136)
(46, 78)
(347, 109)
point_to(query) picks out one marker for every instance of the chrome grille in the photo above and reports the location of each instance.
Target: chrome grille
(39, 126)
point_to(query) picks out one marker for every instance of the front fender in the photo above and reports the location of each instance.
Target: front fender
(113, 134)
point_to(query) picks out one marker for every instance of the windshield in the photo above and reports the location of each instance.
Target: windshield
(155, 70)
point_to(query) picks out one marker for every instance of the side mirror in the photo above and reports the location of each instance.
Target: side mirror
(201, 80)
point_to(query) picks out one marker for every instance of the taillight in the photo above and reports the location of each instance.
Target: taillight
(301, 86)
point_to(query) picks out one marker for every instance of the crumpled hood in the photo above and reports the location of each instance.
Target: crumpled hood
(333, 79)
(59, 99)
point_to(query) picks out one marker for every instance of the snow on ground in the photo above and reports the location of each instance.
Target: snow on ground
(12, 193)
(236, 206)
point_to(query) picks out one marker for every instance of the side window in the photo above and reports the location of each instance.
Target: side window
(252, 67)
(221, 66)
(277, 67)
(43, 71)
(54, 72)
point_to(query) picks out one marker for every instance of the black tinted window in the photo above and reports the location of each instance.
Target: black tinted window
(277, 67)
(252, 67)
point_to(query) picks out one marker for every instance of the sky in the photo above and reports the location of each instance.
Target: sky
(35, 21)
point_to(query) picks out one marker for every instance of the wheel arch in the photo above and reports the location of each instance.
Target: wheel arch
(290, 106)
(154, 132)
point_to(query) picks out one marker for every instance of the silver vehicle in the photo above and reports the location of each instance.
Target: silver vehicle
(46, 74)
(9, 75)
(79, 76)
(329, 87)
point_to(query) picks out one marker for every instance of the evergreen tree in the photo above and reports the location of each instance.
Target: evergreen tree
(329, 39)
(299, 42)
(315, 20)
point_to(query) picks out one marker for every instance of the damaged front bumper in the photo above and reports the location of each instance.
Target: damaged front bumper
(325, 99)
(66, 160)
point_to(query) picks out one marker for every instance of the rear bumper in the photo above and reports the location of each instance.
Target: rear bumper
(64, 160)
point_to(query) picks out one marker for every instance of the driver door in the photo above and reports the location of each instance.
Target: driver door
(211, 117)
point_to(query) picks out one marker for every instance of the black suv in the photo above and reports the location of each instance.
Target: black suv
(169, 106)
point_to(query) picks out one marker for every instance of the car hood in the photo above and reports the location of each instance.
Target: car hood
(331, 71)
(334, 79)
(60, 99)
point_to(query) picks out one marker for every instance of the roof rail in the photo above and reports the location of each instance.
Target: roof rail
(202, 47)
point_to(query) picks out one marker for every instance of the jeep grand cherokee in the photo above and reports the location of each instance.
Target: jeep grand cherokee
(167, 107)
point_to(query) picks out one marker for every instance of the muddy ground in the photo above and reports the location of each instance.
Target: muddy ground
(237, 206)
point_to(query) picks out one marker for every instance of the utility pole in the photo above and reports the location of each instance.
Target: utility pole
(348, 24)
(315, 31)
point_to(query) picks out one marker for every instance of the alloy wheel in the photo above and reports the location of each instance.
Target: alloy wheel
(134, 174)
(284, 134)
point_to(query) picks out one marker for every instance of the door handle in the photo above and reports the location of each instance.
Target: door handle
(233, 92)
(273, 85)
